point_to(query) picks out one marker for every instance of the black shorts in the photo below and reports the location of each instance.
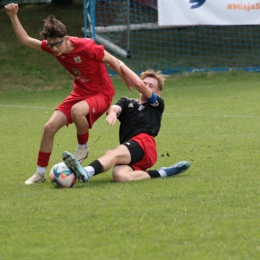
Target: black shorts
(135, 150)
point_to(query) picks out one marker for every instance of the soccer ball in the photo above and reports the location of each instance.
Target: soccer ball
(61, 176)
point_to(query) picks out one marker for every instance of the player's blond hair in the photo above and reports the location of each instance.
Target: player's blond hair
(156, 75)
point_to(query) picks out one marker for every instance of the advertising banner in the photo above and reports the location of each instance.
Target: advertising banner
(208, 12)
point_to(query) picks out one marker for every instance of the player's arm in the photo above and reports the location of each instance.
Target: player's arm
(23, 37)
(113, 63)
(138, 83)
(112, 114)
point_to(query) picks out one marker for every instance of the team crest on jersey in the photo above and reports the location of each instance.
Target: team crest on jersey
(141, 107)
(77, 59)
(76, 72)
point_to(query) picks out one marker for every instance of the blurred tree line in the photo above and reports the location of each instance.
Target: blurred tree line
(62, 1)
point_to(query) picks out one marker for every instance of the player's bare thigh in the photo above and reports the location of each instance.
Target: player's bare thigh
(80, 109)
(119, 155)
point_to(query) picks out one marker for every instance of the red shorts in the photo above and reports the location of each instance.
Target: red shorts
(148, 145)
(98, 105)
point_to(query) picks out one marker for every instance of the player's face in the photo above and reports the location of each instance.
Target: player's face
(56, 45)
(152, 83)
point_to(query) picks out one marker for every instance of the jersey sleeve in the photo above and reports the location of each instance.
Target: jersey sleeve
(45, 47)
(122, 102)
(95, 51)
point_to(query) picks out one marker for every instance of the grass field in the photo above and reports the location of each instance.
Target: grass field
(210, 212)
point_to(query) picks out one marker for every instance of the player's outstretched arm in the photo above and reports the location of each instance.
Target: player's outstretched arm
(135, 80)
(23, 37)
(113, 63)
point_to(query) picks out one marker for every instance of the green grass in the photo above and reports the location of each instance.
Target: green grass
(210, 212)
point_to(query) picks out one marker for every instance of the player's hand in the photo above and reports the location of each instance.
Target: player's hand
(11, 9)
(111, 119)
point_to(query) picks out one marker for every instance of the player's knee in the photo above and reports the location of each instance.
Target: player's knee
(75, 111)
(109, 153)
(117, 177)
(80, 109)
(50, 128)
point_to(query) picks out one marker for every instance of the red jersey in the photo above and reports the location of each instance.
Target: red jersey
(85, 63)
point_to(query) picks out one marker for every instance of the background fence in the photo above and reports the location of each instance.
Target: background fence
(129, 30)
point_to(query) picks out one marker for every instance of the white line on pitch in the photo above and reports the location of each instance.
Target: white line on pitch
(18, 106)
(173, 114)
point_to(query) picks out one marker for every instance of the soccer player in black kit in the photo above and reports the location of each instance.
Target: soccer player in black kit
(140, 122)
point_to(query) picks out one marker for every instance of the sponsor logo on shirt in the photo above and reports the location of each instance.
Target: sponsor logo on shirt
(77, 59)
(82, 79)
(76, 72)
(131, 105)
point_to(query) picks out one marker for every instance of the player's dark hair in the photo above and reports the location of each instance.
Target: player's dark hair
(156, 75)
(53, 28)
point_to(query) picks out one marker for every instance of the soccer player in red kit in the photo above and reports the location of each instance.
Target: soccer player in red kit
(93, 90)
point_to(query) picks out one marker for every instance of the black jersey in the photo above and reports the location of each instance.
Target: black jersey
(138, 118)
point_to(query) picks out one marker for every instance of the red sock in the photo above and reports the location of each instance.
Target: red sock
(43, 159)
(83, 139)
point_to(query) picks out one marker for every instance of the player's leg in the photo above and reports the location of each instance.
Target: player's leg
(138, 170)
(120, 155)
(143, 156)
(57, 120)
(79, 114)
(127, 171)
(177, 168)
(84, 114)
(124, 173)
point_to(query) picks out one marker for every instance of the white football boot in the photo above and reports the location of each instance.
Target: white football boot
(81, 154)
(36, 178)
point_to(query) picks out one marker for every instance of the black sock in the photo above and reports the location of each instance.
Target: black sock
(154, 173)
(98, 167)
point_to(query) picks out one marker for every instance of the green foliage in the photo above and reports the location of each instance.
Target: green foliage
(63, 2)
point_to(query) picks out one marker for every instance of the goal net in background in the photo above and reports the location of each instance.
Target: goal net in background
(129, 30)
